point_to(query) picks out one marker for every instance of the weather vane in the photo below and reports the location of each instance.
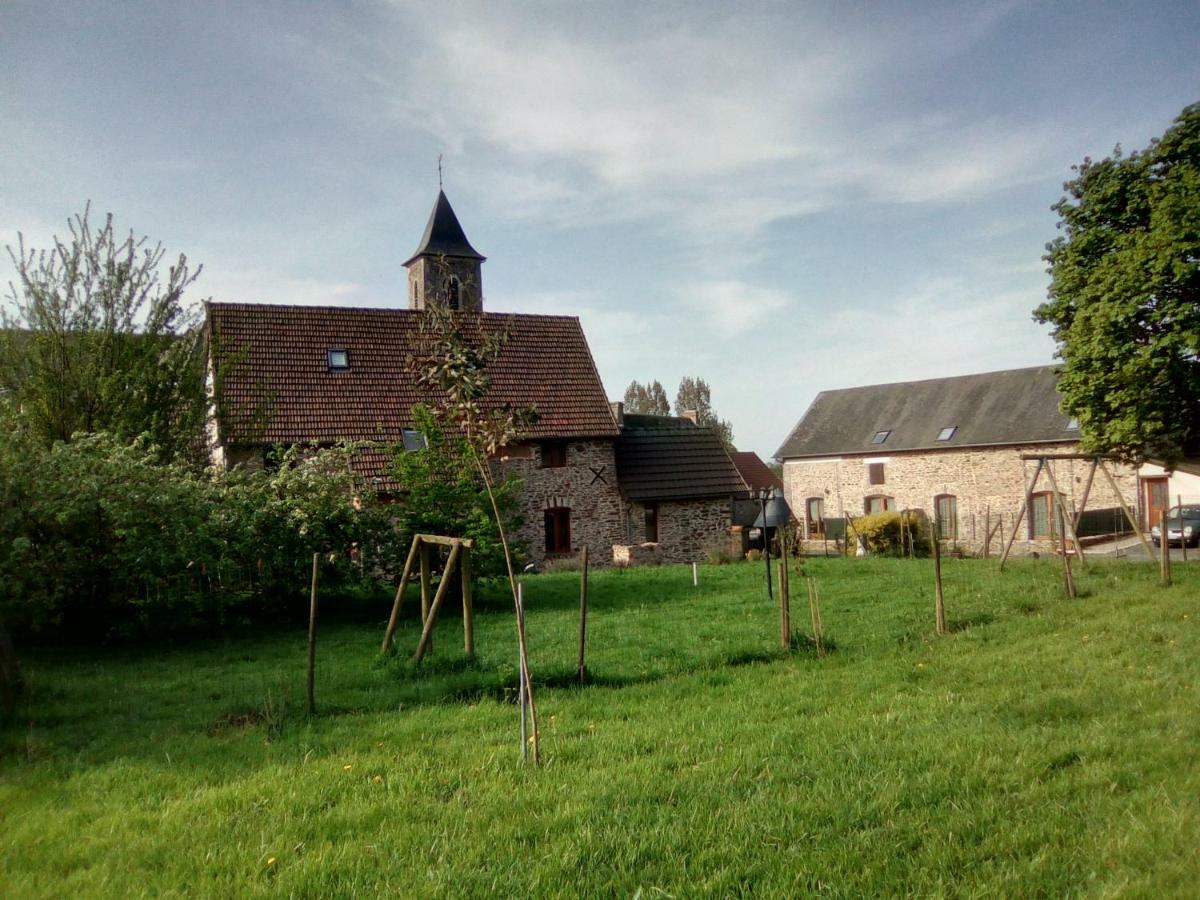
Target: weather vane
(439, 171)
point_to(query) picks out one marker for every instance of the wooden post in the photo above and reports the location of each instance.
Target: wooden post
(1066, 523)
(468, 603)
(522, 676)
(583, 601)
(1137, 529)
(1164, 560)
(1012, 537)
(425, 590)
(1087, 492)
(427, 631)
(987, 531)
(785, 616)
(312, 635)
(695, 575)
(939, 603)
(394, 618)
(1068, 578)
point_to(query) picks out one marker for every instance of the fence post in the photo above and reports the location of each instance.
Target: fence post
(583, 610)
(1182, 539)
(1164, 562)
(939, 602)
(312, 634)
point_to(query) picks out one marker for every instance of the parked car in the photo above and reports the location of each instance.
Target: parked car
(1183, 527)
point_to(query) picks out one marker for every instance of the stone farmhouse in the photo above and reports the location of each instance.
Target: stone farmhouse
(318, 375)
(952, 448)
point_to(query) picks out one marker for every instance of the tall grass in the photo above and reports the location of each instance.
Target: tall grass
(1043, 747)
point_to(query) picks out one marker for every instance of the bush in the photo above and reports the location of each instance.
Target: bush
(99, 538)
(718, 555)
(885, 536)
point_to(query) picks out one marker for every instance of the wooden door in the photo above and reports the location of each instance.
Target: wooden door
(1155, 499)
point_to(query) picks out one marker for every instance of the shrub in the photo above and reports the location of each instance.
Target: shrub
(718, 555)
(884, 534)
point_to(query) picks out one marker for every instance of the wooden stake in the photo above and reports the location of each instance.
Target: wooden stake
(425, 584)
(583, 603)
(312, 635)
(814, 611)
(987, 531)
(394, 618)
(1066, 523)
(1182, 537)
(522, 676)
(695, 575)
(1012, 537)
(1164, 560)
(939, 604)
(1068, 579)
(468, 602)
(427, 632)
(785, 617)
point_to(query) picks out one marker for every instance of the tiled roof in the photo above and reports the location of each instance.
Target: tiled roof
(754, 471)
(278, 387)
(664, 458)
(1016, 406)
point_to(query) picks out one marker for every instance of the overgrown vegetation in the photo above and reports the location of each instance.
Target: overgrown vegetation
(891, 533)
(101, 538)
(1041, 748)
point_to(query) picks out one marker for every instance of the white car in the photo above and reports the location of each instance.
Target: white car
(1183, 527)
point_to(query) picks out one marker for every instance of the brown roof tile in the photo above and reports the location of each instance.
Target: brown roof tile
(754, 471)
(278, 388)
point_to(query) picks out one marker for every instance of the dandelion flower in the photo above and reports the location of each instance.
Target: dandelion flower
(271, 860)
(347, 767)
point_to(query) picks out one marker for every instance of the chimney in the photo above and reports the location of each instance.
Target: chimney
(692, 414)
(618, 412)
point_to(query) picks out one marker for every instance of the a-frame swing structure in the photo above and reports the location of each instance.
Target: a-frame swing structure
(423, 546)
(1070, 524)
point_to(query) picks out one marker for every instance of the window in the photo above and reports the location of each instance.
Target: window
(554, 454)
(946, 433)
(815, 509)
(558, 529)
(413, 440)
(875, 473)
(877, 503)
(453, 292)
(946, 514)
(651, 523)
(338, 359)
(880, 437)
(1073, 424)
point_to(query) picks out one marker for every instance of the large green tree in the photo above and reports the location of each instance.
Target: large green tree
(694, 395)
(647, 399)
(1124, 297)
(98, 337)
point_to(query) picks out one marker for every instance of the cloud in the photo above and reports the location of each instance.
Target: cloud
(732, 308)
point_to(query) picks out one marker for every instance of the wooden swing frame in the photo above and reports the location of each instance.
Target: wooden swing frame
(421, 551)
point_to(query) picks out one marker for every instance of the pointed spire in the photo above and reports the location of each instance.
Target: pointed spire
(444, 236)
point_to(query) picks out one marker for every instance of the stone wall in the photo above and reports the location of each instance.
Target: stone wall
(587, 485)
(687, 529)
(984, 481)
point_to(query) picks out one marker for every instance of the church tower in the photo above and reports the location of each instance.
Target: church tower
(445, 268)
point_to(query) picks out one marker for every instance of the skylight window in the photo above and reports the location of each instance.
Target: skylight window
(880, 437)
(946, 433)
(1073, 425)
(413, 440)
(339, 360)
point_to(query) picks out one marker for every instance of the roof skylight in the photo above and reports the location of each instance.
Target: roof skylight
(339, 359)
(946, 433)
(880, 437)
(1073, 425)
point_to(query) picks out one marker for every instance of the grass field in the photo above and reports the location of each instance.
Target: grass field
(1043, 748)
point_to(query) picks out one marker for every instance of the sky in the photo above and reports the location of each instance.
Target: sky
(779, 198)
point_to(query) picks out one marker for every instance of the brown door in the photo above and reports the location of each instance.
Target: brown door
(1154, 499)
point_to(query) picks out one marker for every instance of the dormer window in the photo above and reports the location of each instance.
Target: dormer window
(413, 440)
(339, 359)
(946, 433)
(880, 437)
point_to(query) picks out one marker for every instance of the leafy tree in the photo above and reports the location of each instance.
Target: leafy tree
(102, 340)
(1124, 297)
(648, 399)
(694, 395)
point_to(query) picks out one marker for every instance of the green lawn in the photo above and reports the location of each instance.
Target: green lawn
(1045, 747)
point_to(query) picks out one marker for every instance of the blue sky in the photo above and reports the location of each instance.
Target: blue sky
(779, 198)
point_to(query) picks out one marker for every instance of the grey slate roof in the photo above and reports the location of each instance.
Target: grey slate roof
(444, 236)
(670, 458)
(1015, 406)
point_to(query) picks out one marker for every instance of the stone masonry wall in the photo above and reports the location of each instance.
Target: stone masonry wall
(686, 528)
(587, 485)
(981, 479)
